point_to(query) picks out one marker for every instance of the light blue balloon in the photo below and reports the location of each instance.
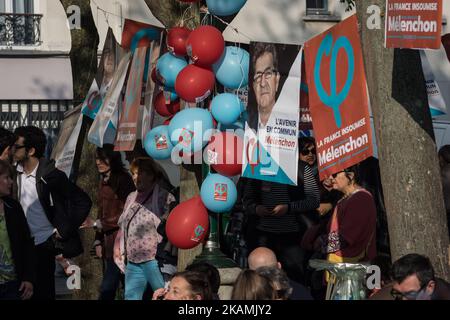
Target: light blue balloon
(168, 66)
(191, 129)
(224, 7)
(238, 127)
(226, 108)
(218, 193)
(233, 67)
(157, 143)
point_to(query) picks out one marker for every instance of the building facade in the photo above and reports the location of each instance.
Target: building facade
(35, 70)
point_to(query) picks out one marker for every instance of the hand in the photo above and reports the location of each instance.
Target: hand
(324, 208)
(262, 211)
(98, 251)
(161, 292)
(27, 290)
(88, 223)
(280, 210)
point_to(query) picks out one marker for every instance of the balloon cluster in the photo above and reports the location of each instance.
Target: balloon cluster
(191, 130)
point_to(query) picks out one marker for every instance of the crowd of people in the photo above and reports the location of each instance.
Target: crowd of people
(285, 227)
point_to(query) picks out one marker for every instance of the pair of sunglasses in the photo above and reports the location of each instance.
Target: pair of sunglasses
(306, 152)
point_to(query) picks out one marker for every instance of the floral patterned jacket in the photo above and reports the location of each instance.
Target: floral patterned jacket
(139, 223)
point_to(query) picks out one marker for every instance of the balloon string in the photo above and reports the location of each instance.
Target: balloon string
(232, 27)
(184, 15)
(205, 18)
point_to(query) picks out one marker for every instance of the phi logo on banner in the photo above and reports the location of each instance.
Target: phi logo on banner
(334, 99)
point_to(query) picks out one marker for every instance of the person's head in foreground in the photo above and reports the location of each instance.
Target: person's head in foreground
(211, 273)
(413, 277)
(280, 281)
(189, 285)
(262, 257)
(250, 285)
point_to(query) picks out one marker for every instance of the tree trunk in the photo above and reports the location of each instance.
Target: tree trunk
(406, 147)
(172, 13)
(91, 267)
(83, 56)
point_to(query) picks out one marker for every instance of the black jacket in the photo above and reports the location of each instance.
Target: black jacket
(64, 203)
(22, 244)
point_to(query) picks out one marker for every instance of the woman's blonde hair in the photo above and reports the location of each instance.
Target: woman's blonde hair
(250, 285)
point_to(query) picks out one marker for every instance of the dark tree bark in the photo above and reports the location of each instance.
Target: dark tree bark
(172, 13)
(83, 56)
(406, 147)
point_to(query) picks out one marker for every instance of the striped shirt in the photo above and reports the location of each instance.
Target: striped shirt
(271, 194)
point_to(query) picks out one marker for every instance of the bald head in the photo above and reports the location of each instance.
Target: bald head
(262, 257)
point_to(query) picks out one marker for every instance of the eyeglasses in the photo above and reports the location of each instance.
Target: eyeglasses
(18, 146)
(268, 73)
(334, 175)
(410, 295)
(306, 152)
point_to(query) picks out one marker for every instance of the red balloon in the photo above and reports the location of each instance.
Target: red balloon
(194, 84)
(224, 153)
(156, 78)
(166, 109)
(205, 45)
(176, 40)
(188, 224)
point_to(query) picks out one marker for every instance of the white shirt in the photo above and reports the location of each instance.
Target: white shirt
(40, 227)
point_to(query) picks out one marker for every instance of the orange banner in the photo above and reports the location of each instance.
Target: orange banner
(413, 24)
(127, 128)
(138, 34)
(338, 99)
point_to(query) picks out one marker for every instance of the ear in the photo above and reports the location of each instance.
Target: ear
(31, 152)
(5, 153)
(351, 176)
(279, 265)
(197, 297)
(430, 287)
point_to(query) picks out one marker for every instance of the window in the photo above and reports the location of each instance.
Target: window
(316, 7)
(19, 26)
(17, 6)
(23, 6)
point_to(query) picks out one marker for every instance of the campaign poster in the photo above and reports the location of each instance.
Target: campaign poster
(111, 104)
(66, 148)
(129, 115)
(414, 24)
(150, 89)
(271, 130)
(103, 78)
(338, 98)
(305, 115)
(435, 100)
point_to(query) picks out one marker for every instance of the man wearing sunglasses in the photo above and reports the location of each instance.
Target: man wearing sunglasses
(414, 279)
(54, 207)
